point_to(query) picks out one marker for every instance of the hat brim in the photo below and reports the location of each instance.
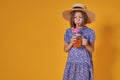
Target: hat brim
(90, 14)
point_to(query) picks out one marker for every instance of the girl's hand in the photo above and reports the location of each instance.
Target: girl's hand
(84, 41)
(73, 39)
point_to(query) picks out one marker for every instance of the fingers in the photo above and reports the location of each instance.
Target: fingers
(84, 41)
(73, 39)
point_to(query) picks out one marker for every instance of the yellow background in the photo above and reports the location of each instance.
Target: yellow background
(31, 39)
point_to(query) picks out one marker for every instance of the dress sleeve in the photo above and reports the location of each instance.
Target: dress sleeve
(92, 36)
(66, 36)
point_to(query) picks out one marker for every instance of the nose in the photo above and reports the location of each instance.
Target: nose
(78, 19)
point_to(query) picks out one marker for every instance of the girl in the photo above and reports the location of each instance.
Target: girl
(79, 65)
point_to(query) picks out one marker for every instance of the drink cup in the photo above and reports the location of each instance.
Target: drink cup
(78, 41)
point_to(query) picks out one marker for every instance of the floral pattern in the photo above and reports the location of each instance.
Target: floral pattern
(79, 65)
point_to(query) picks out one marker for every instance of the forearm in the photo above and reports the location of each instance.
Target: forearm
(89, 48)
(68, 47)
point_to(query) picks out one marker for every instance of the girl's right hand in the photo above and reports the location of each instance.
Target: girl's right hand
(73, 39)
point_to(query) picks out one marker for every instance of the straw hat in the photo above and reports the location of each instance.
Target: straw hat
(80, 7)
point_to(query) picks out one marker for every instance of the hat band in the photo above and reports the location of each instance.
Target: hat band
(77, 7)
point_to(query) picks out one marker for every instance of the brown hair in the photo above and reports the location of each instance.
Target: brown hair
(85, 18)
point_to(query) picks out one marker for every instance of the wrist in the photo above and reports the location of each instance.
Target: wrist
(71, 44)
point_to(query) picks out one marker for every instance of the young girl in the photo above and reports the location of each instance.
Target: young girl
(79, 65)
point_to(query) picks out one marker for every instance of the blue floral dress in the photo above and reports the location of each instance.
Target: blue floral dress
(79, 65)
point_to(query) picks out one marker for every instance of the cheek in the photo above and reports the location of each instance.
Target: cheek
(75, 20)
(81, 19)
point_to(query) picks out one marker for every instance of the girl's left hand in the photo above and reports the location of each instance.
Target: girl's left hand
(84, 41)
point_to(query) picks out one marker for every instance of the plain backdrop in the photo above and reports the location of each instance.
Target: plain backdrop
(32, 39)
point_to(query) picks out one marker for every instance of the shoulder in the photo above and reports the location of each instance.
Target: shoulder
(90, 30)
(68, 30)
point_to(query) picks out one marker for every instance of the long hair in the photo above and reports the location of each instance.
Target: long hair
(85, 18)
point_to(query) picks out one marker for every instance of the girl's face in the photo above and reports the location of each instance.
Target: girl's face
(78, 18)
